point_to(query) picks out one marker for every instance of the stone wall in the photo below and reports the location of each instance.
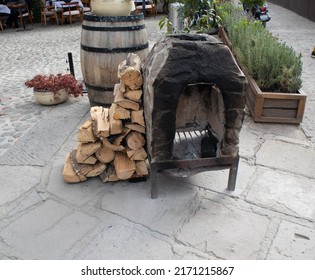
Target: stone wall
(305, 8)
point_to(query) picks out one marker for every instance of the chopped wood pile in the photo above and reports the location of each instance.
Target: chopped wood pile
(111, 144)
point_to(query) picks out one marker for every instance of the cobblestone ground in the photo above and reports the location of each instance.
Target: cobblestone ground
(37, 50)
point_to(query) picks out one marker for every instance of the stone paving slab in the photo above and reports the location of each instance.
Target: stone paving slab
(289, 157)
(293, 242)
(226, 232)
(76, 194)
(47, 232)
(166, 214)
(25, 202)
(283, 192)
(113, 242)
(217, 180)
(13, 186)
(135, 242)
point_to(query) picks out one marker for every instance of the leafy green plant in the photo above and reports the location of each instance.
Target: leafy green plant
(165, 22)
(251, 3)
(275, 66)
(197, 15)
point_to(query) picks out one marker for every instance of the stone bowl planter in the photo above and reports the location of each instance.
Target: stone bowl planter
(51, 98)
(111, 7)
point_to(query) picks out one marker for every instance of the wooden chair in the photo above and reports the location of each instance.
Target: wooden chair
(24, 13)
(86, 6)
(150, 7)
(71, 10)
(2, 18)
(48, 13)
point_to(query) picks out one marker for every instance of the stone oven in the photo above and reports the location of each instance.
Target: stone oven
(194, 100)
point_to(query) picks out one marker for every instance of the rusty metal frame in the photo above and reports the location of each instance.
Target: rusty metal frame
(214, 163)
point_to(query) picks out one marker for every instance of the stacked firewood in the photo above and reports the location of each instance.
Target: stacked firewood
(111, 144)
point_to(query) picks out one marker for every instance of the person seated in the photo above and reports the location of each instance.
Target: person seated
(13, 17)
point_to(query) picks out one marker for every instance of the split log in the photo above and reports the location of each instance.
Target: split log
(115, 125)
(111, 143)
(139, 154)
(129, 71)
(135, 140)
(137, 117)
(100, 121)
(90, 160)
(85, 133)
(136, 127)
(132, 79)
(68, 172)
(109, 175)
(85, 150)
(120, 113)
(104, 154)
(80, 169)
(134, 95)
(124, 102)
(99, 168)
(122, 87)
(142, 168)
(124, 166)
(121, 137)
(107, 144)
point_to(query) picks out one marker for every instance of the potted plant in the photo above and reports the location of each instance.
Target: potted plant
(54, 89)
(272, 68)
(198, 16)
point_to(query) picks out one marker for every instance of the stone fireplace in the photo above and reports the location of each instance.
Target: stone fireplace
(194, 100)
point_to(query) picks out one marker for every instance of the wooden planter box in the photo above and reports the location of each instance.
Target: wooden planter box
(269, 106)
(274, 107)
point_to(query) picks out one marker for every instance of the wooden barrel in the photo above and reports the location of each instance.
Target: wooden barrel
(105, 43)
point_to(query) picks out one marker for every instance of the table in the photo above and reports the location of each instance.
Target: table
(58, 6)
(4, 9)
(4, 12)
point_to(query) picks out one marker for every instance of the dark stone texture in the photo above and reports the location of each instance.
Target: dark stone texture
(234, 118)
(234, 99)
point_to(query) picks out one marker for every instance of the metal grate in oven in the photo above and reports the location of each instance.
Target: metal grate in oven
(187, 144)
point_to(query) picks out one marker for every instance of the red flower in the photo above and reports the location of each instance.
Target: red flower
(56, 82)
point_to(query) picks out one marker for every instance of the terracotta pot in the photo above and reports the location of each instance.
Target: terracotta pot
(111, 7)
(51, 98)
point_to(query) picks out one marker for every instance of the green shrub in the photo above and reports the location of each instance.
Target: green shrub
(274, 66)
(197, 15)
(252, 3)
